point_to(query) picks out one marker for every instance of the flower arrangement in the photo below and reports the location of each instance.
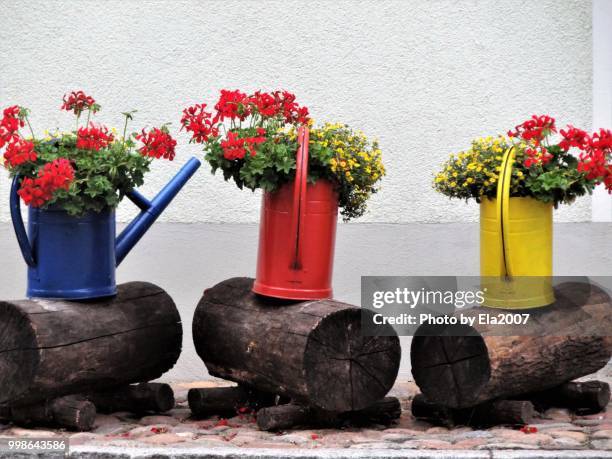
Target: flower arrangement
(88, 169)
(549, 170)
(252, 140)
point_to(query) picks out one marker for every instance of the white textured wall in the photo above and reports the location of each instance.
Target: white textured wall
(425, 77)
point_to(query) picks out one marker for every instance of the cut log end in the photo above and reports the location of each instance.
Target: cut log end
(79, 415)
(346, 370)
(451, 368)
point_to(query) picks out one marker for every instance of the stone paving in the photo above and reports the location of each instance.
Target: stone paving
(556, 429)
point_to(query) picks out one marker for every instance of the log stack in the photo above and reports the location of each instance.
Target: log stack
(52, 351)
(463, 374)
(311, 352)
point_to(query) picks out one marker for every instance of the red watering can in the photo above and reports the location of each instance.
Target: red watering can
(297, 235)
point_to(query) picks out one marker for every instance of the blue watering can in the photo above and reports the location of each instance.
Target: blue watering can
(75, 258)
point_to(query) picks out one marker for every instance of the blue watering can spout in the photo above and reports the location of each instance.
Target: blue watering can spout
(151, 210)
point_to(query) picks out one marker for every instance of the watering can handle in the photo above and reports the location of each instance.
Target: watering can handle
(299, 196)
(503, 207)
(20, 231)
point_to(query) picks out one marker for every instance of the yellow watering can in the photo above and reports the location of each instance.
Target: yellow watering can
(515, 247)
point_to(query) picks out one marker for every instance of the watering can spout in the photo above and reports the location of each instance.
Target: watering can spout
(151, 210)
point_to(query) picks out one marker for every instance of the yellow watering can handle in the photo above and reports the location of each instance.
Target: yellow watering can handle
(503, 207)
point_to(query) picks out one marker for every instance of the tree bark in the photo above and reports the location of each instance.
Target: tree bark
(312, 351)
(464, 371)
(53, 348)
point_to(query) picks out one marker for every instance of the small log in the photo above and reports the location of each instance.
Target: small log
(312, 352)
(464, 371)
(53, 348)
(287, 416)
(283, 417)
(384, 412)
(70, 412)
(588, 397)
(226, 401)
(140, 398)
(499, 412)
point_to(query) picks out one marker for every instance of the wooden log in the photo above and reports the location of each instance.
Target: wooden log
(282, 417)
(226, 401)
(499, 412)
(54, 348)
(384, 412)
(312, 352)
(139, 398)
(464, 371)
(70, 412)
(587, 397)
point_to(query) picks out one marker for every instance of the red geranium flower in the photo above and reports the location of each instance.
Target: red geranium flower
(54, 176)
(157, 143)
(594, 164)
(32, 194)
(574, 137)
(198, 121)
(602, 140)
(233, 147)
(93, 138)
(19, 152)
(232, 105)
(77, 102)
(265, 104)
(10, 124)
(256, 140)
(536, 156)
(292, 112)
(535, 128)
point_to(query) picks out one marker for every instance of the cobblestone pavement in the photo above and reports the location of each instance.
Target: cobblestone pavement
(556, 429)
